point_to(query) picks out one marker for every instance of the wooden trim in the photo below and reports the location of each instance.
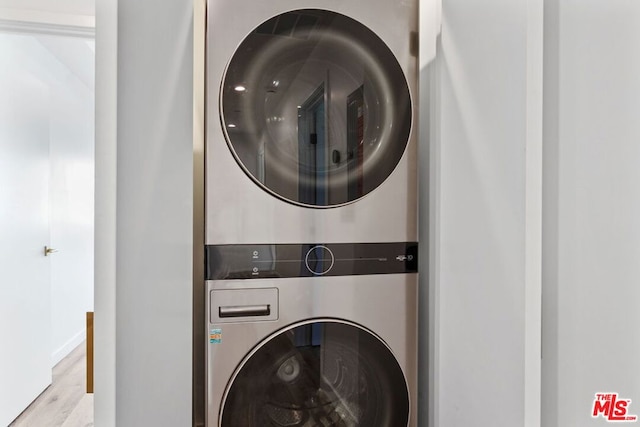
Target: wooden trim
(90, 352)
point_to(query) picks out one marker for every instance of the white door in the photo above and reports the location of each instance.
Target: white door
(25, 294)
(67, 64)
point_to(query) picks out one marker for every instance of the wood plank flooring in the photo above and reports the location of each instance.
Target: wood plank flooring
(64, 403)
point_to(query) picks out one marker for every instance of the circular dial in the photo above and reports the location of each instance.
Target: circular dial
(319, 260)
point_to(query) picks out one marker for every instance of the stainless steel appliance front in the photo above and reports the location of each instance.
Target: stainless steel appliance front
(311, 213)
(328, 359)
(311, 118)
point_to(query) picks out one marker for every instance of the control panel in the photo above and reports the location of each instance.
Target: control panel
(309, 260)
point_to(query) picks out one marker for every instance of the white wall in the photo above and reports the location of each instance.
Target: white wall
(592, 207)
(483, 108)
(481, 123)
(154, 227)
(477, 204)
(430, 27)
(105, 213)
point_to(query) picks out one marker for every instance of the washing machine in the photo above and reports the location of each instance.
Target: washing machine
(311, 213)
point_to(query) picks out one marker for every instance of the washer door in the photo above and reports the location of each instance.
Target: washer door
(327, 373)
(316, 108)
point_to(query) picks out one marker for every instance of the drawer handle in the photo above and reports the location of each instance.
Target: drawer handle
(244, 310)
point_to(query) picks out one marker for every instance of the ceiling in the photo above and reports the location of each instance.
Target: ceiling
(68, 7)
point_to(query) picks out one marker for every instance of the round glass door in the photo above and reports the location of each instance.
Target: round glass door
(315, 108)
(326, 373)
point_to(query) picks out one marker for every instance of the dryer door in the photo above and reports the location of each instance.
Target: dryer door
(325, 373)
(315, 108)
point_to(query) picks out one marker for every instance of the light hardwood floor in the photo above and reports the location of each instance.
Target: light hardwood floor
(64, 403)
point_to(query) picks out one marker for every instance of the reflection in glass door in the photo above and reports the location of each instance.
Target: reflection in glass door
(285, 97)
(355, 139)
(313, 164)
(321, 373)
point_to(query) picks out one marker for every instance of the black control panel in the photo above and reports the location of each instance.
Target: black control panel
(259, 261)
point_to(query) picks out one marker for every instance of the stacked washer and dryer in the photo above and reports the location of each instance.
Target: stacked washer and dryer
(311, 213)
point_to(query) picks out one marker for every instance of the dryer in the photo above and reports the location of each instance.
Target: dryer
(311, 213)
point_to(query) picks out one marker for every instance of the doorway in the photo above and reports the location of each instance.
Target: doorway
(313, 165)
(46, 204)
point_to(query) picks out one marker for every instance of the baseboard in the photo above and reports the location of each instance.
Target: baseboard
(64, 351)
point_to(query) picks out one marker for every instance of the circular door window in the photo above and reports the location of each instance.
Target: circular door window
(327, 373)
(315, 108)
